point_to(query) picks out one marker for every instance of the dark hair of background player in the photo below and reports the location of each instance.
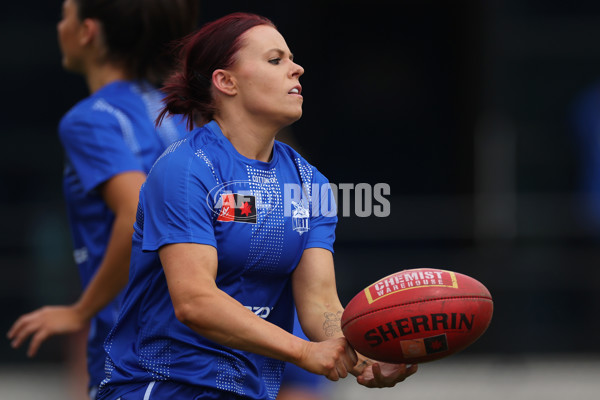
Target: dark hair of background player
(141, 45)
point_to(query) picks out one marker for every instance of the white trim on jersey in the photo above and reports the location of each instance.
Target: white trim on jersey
(149, 390)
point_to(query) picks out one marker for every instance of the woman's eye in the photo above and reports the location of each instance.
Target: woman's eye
(275, 61)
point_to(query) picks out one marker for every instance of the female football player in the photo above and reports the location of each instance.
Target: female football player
(110, 142)
(229, 236)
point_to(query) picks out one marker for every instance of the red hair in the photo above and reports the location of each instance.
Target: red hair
(212, 47)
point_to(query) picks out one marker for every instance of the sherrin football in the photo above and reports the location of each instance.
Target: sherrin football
(417, 315)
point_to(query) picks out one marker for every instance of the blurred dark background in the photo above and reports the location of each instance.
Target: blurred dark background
(463, 107)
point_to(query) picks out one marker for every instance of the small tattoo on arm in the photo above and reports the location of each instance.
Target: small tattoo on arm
(332, 323)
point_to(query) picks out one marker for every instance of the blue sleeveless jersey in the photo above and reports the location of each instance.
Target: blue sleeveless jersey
(110, 132)
(260, 216)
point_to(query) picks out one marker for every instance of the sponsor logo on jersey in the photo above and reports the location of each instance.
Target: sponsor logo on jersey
(238, 208)
(262, 311)
(244, 200)
(80, 255)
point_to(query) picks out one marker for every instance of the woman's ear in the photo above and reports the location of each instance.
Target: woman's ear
(89, 30)
(224, 82)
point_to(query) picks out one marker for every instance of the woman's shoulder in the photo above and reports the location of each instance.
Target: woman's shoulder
(288, 152)
(79, 119)
(79, 111)
(112, 97)
(197, 144)
(94, 108)
(305, 168)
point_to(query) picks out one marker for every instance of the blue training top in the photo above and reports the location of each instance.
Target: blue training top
(260, 216)
(110, 132)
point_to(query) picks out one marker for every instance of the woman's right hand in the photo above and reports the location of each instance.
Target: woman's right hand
(43, 323)
(333, 358)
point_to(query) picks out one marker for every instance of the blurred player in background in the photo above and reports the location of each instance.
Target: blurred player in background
(217, 264)
(110, 142)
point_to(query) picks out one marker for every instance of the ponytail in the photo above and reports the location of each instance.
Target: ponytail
(189, 95)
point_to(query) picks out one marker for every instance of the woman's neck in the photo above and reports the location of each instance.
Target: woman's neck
(252, 142)
(101, 75)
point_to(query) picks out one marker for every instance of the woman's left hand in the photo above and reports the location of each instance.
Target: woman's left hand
(380, 375)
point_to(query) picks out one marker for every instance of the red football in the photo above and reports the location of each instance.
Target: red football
(417, 315)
